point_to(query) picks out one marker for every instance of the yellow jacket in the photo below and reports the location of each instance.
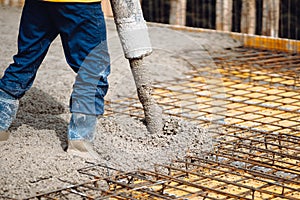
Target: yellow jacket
(74, 1)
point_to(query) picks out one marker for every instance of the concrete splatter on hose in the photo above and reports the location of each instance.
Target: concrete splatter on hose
(153, 113)
(133, 34)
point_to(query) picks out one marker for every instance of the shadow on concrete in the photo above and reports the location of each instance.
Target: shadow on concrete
(41, 111)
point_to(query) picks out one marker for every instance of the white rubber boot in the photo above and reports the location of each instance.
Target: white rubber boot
(81, 134)
(8, 111)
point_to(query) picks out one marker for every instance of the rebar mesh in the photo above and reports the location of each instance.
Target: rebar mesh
(257, 153)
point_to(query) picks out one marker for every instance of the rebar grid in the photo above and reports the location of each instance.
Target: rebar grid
(257, 153)
(266, 67)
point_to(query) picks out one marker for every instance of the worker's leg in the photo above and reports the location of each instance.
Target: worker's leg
(35, 36)
(83, 34)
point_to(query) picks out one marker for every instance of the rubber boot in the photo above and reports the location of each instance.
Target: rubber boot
(81, 134)
(8, 111)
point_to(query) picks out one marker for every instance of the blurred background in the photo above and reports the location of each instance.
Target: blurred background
(276, 18)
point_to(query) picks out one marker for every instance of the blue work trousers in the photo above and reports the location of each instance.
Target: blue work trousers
(82, 29)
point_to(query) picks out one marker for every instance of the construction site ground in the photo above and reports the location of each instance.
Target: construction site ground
(231, 124)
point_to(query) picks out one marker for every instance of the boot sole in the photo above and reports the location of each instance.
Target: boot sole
(82, 149)
(4, 135)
